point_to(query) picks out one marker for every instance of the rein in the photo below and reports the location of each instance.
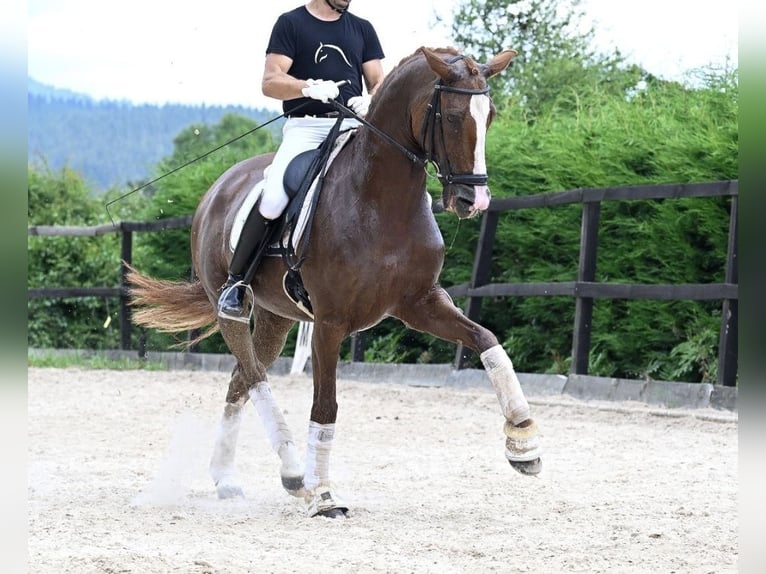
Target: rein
(350, 113)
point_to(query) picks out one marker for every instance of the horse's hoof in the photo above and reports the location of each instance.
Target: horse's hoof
(527, 467)
(294, 485)
(322, 501)
(333, 513)
(522, 447)
(229, 491)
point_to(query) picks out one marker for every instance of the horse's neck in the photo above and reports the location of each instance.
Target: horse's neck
(383, 173)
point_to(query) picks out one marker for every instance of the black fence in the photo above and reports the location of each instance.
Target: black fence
(585, 290)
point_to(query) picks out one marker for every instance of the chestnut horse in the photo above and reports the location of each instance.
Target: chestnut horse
(375, 252)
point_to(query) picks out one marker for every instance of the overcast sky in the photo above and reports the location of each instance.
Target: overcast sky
(158, 51)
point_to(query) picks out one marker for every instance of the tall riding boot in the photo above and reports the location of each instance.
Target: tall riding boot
(231, 303)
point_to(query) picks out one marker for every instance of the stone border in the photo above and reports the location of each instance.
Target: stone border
(666, 394)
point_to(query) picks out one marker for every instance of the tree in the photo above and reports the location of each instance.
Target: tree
(64, 198)
(555, 49)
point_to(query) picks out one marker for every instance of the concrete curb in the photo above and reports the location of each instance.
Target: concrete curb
(666, 394)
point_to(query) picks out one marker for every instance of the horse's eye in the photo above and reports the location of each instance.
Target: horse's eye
(453, 118)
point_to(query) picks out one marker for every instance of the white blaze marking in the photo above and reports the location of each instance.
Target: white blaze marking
(480, 107)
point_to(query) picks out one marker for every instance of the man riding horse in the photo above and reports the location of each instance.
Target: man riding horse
(319, 40)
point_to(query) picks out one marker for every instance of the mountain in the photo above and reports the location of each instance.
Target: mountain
(112, 143)
(35, 88)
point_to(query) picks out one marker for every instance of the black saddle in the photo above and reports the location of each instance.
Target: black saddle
(303, 166)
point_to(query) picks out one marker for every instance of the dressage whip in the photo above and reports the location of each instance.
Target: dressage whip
(188, 163)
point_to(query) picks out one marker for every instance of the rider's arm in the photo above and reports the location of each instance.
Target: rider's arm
(373, 75)
(277, 83)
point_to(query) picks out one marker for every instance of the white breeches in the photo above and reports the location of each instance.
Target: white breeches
(298, 135)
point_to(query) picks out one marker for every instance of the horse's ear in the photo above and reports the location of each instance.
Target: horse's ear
(439, 66)
(499, 63)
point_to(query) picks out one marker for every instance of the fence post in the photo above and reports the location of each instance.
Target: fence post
(126, 257)
(357, 347)
(586, 272)
(482, 264)
(728, 343)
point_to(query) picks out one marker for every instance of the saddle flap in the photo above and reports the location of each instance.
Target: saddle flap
(297, 170)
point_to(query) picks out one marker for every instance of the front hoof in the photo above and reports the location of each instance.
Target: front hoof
(523, 448)
(294, 486)
(527, 467)
(333, 513)
(229, 491)
(323, 501)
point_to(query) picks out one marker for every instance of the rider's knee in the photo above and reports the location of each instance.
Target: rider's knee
(273, 204)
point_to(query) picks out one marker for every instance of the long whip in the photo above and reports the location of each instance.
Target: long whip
(188, 163)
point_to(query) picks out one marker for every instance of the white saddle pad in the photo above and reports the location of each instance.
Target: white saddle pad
(255, 193)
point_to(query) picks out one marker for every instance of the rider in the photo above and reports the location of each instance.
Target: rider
(313, 49)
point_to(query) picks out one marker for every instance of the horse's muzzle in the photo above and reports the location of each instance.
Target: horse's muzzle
(466, 201)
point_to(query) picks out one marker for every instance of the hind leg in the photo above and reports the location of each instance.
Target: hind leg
(222, 469)
(254, 355)
(435, 313)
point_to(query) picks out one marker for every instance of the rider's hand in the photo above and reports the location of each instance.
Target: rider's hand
(322, 90)
(360, 104)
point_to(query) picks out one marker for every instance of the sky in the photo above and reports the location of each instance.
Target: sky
(212, 53)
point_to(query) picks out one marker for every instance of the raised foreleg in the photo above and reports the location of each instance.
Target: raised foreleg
(435, 313)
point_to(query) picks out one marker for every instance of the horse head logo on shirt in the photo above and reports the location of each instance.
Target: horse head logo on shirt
(323, 52)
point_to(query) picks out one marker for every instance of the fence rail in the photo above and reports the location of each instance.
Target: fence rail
(585, 289)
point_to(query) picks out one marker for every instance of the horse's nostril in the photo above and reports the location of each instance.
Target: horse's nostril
(465, 201)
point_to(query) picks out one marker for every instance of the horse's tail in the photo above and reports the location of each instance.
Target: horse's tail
(171, 306)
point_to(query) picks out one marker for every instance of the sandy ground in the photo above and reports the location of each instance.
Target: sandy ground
(118, 483)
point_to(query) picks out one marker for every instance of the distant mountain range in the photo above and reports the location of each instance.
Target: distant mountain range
(111, 143)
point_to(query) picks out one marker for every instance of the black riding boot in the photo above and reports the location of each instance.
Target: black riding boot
(231, 303)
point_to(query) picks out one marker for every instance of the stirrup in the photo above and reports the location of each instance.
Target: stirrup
(233, 315)
(296, 292)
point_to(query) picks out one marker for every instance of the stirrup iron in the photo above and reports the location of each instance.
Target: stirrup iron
(242, 316)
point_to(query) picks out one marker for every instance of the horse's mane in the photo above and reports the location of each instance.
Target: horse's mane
(404, 66)
(448, 50)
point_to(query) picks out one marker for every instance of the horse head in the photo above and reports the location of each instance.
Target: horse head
(452, 123)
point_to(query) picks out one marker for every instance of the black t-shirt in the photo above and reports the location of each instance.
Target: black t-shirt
(324, 51)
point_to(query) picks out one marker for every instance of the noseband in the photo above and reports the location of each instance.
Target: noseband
(433, 126)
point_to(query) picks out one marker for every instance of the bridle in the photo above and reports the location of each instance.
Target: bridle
(431, 129)
(432, 121)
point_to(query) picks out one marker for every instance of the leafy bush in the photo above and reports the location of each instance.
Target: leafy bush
(606, 126)
(63, 198)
